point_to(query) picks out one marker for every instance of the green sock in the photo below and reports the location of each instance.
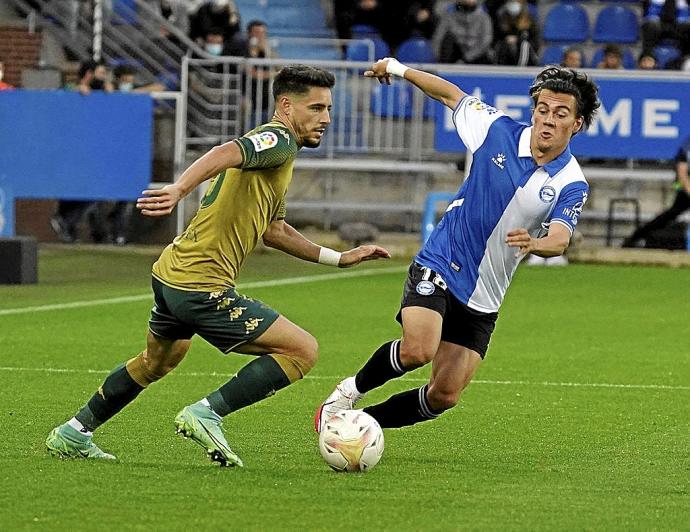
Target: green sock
(257, 380)
(117, 391)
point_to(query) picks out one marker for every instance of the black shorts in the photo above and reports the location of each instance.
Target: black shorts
(461, 324)
(225, 319)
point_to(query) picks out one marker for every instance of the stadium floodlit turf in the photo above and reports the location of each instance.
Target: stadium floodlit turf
(579, 418)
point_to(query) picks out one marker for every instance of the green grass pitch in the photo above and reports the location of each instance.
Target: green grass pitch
(579, 418)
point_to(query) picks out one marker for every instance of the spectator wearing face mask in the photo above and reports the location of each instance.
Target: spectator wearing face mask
(4, 86)
(93, 76)
(464, 34)
(124, 81)
(220, 15)
(517, 35)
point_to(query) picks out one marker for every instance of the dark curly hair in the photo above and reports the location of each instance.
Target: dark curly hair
(298, 79)
(566, 80)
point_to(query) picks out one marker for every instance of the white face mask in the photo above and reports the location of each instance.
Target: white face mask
(214, 49)
(126, 87)
(513, 8)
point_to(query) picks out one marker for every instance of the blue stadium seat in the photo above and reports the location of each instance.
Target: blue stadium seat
(359, 31)
(566, 23)
(616, 24)
(359, 51)
(553, 55)
(415, 50)
(664, 54)
(125, 12)
(628, 58)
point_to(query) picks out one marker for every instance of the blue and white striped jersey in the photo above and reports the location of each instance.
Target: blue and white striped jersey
(505, 190)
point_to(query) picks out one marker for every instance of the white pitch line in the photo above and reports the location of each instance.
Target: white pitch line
(409, 379)
(256, 284)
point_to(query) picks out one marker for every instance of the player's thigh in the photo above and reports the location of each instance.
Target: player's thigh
(282, 337)
(421, 331)
(452, 370)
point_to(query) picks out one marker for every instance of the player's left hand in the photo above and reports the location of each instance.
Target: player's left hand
(159, 202)
(378, 71)
(362, 253)
(520, 238)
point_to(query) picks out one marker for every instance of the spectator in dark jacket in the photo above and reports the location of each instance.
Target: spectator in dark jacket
(464, 34)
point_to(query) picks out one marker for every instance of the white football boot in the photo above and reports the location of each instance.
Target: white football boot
(344, 397)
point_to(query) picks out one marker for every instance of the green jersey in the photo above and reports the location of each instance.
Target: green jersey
(238, 207)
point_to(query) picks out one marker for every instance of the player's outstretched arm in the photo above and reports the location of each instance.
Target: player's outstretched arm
(159, 202)
(281, 235)
(553, 244)
(433, 86)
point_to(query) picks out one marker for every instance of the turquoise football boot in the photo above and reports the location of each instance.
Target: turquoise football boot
(67, 442)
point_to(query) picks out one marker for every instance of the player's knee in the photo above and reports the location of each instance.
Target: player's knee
(415, 355)
(147, 368)
(442, 399)
(309, 355)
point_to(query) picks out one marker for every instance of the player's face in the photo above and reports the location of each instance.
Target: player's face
(555, 121)
(311, 115)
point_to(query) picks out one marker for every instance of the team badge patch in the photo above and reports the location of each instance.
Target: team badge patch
(264, 140)
(547, 194)
(425, 288)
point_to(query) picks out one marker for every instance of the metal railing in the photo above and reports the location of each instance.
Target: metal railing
(136, 34)
(367, 119)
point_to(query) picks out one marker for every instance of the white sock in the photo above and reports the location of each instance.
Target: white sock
(76, 425)
(205, 402)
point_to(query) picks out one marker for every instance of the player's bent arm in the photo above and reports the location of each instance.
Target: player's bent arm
(553, 244)
(162, 201)
(433, 86)
(281, 235)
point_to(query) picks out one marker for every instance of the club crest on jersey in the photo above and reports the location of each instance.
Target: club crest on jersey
(425, 288)
(499, 160)
(547, 194)
(264, 140)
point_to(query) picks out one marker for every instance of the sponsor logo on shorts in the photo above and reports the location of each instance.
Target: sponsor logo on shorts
(264, 140)
(425, 288)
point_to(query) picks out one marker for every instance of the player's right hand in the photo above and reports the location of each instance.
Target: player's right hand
(159, 202)
(378, 71)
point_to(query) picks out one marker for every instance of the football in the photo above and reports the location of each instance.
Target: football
(351, 440)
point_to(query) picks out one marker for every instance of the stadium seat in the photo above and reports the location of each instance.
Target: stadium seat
(361, 50)
(553, 55)
(359, 31)
(629, 61)
(415, 50)
(664, 54)
(566, 23)
(124, 12)
(616, 24)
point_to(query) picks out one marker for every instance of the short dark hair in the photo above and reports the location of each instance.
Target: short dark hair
(569, 81)
(85, 67)
(255, 22)
(124, 70)
(613, 49)
(298, 79)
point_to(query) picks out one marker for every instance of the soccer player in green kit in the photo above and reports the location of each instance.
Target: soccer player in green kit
(194, 278)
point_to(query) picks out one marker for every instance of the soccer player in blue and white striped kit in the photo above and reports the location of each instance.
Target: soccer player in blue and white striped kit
(524, 194)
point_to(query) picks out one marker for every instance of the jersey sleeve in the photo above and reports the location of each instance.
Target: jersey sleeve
(569, 205)
(268, 147)
(472, 119)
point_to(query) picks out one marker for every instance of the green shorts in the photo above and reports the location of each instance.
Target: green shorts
(224, 319)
